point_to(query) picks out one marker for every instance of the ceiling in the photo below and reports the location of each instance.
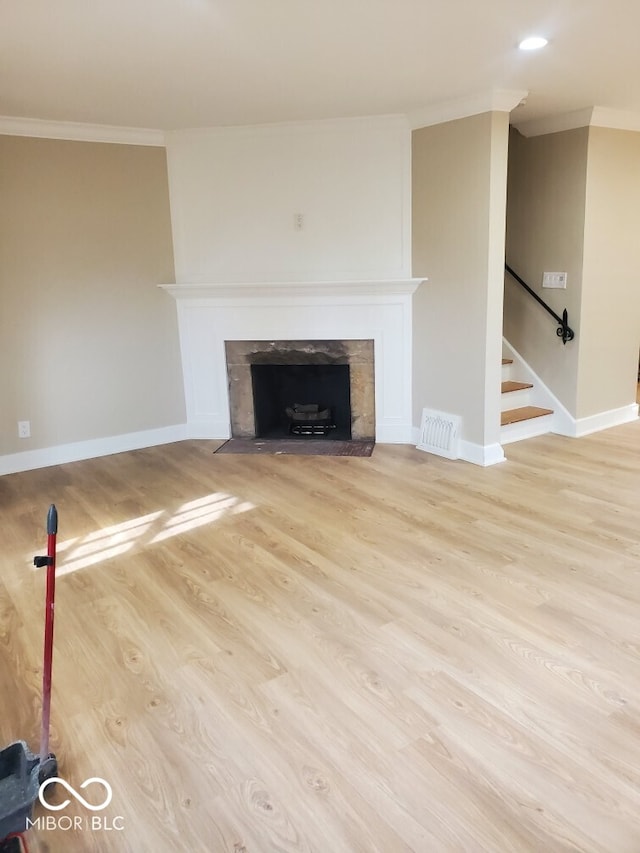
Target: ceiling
(169, 64)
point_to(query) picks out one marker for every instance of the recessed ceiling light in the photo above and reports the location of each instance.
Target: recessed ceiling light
(532, 43)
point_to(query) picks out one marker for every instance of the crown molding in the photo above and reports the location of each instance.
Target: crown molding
(555, 124)
(589, 117)
(280, 127)
(16, 126)
(615, 119)
(495, 100)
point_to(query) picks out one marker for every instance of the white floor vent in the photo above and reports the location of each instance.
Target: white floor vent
(440, 433)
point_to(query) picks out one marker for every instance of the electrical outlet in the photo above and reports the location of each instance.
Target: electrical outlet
(24, 429)
(298, 221)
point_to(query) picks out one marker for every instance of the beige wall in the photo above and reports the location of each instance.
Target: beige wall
(573, 206)
(545, 232)
(458, 188)
(610, 319)
(88, 344)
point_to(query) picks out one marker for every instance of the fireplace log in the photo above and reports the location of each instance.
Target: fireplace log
(307, 413)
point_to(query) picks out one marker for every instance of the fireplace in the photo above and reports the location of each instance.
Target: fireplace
(302, 389)
(358, 316)
(301, 400)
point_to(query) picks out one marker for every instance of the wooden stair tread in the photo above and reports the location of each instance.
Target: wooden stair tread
(509, 385)
(524, 413)
(507, 361)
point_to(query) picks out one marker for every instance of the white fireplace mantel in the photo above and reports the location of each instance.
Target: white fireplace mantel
(211, 313)
(322, 289)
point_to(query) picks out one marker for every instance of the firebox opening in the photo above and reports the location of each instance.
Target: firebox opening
(302, 401)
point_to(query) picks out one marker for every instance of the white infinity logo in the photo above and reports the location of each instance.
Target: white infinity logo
(73, 791)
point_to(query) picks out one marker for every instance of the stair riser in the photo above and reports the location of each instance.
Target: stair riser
(522, 398)
(530, 402)
(526, 429)
(507, 370)
(515, 399)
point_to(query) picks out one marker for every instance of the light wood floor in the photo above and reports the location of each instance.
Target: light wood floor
(330, 655)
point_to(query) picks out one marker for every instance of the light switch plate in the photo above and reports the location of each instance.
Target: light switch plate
(554, 279)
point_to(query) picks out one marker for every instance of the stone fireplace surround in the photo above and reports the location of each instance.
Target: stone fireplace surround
(359, 355)
(211, 314)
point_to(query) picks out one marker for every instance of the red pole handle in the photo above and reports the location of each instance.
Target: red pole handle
(52, 530)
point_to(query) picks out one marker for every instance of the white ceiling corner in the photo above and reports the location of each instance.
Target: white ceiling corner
(495, 100)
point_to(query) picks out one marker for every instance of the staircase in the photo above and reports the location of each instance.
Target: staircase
(520, 417)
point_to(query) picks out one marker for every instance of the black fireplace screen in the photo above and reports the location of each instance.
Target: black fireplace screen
(302, 400)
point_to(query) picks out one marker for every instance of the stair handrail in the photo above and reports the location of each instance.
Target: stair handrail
(564, 330)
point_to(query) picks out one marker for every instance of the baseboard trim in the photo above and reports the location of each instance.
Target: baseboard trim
(394, 434)
(478, 454)
(606, 420)
(44, 457)
(210, 430)
(481, 454)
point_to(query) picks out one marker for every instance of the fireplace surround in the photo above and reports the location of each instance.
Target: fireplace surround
(378, 311)
(357, 355)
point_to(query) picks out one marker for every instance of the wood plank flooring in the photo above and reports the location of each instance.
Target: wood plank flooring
(335, 655)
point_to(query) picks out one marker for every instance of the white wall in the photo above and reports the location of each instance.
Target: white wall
(235, 192)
